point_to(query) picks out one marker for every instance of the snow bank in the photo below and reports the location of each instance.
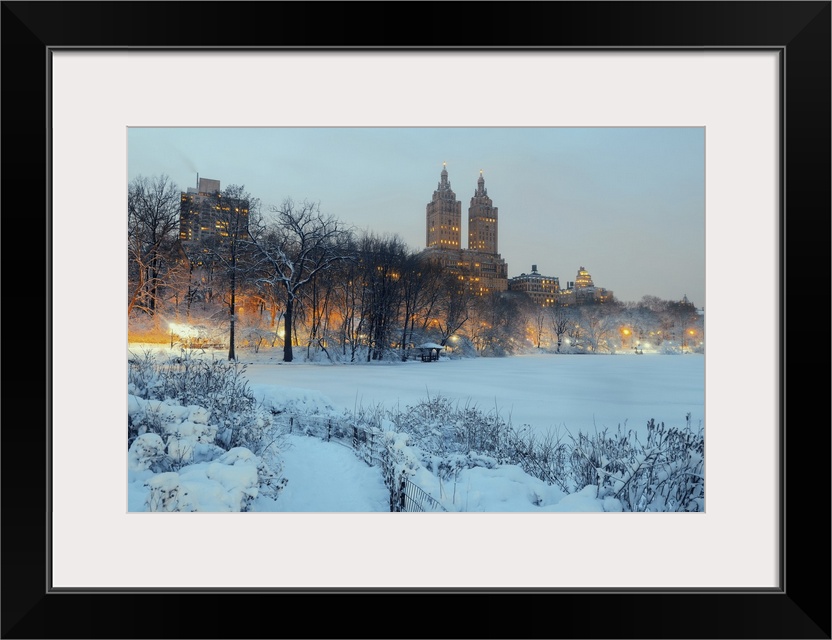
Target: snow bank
(228, 483)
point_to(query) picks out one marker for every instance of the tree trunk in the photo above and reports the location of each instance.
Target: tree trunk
(231, 354)
(287, 324)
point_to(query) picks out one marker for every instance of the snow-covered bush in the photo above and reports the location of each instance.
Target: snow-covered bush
(229, 483)
(451, 465)
(545, 456)
(165, 493)
(434, 435)
(664, 474)
(193, 421)
(440, 426)
(142, 374)
(218, 386)
(398, 461)
(186, 433)
(148, 453)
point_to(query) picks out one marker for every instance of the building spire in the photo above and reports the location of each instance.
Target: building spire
(480, 186)
(443, 178)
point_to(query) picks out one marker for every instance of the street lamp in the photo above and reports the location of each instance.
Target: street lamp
(625, 333)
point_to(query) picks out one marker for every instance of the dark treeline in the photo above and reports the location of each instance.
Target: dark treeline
(295, 278)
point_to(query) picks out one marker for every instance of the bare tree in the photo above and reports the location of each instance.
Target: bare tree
(453, 306)
(297, 244)
(384, 262)
(538, 324)
(319, 300)
(152, 224)
(421, 287)
(233, 214)
(595, 326)
(350, 301)
(560, 319)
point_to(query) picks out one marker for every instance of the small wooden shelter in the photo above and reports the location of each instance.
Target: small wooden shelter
(429, 351)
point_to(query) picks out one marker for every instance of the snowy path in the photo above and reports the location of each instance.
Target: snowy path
(326, 477)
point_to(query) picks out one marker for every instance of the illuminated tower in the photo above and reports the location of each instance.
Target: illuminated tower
(583, 280)
(482, 220)
(444, 216)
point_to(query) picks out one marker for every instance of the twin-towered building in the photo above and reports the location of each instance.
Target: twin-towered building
(480, 265)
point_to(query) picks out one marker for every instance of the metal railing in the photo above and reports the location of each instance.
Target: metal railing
(415, 499)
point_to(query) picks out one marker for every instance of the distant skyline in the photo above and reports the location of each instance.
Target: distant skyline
(627, 204)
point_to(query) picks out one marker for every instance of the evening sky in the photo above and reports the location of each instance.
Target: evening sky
(627, 204)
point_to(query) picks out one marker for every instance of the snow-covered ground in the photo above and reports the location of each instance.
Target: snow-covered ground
(326, 476)
(578, 392)
(571, 393)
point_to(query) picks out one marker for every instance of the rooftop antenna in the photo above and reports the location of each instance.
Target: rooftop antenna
(197, 180)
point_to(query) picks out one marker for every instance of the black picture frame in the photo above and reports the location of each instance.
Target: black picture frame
(799, 608)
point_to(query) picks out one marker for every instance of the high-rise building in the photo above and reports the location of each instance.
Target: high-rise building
(482, 220)
(204, 214)
(480, 266)
(444, 216)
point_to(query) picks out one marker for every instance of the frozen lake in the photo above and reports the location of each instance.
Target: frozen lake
(576, 392)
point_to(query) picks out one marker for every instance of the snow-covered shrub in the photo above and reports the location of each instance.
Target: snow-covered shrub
(229, 483)
(677, 480)
(292, 400)
(142, 374)
(451, 465)
(195, 414)
(185, 431)
(664, 474)
(544, 456)
(164, 492)
(142, 419)
(398, 461)
(370, 417)
(148, 453)
(270, 476)
(189, 442)
(440, 426)
(218, 385)
(254, 430)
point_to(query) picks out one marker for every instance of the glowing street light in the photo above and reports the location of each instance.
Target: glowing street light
(625, 336)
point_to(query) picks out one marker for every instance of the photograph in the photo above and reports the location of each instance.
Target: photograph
(415, 310)
(329, 319)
